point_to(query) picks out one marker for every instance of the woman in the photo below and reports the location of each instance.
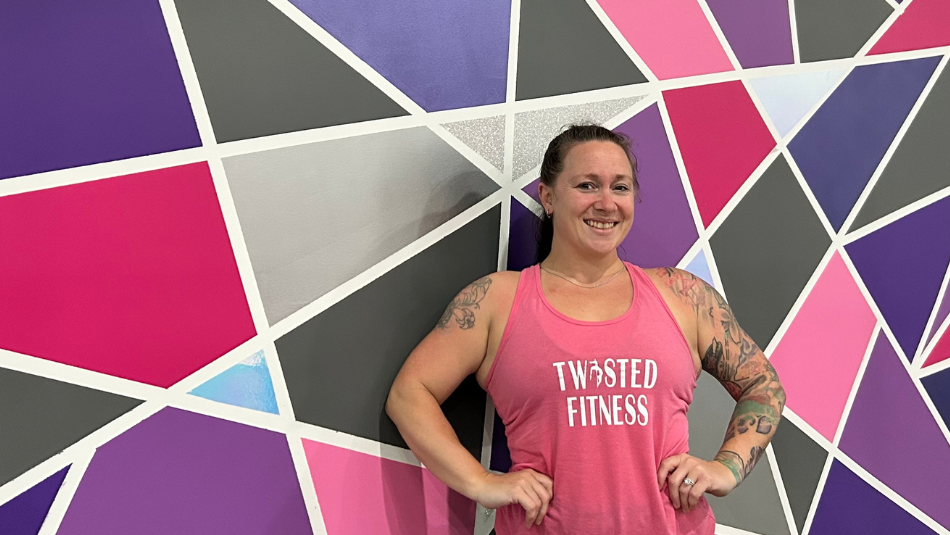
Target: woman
(591, 363)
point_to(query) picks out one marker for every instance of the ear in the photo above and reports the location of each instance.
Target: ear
(546, 194)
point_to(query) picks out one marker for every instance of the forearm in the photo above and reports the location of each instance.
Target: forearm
(423, 425)
(753, 423)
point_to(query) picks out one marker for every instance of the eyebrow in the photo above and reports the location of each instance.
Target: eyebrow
(596, 176)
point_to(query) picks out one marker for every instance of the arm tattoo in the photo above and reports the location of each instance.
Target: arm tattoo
(736, 361)
(461, 309)
(740, 467)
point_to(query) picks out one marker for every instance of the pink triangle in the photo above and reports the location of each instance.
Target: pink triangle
(830, 333)
(360, 493)
(923, 24)
(722, 139)
(941, 351)
(673, 37)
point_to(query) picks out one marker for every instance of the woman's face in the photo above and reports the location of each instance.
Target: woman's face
(592, 199)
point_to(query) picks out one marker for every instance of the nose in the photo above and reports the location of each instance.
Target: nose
(605, 201)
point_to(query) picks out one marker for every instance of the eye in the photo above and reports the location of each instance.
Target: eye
(585, 186)
(622, 187)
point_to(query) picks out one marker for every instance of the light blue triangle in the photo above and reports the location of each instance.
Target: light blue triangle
(246, 384)
(698, 266)
(788, 97)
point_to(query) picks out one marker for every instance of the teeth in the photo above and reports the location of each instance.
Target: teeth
(597, 224)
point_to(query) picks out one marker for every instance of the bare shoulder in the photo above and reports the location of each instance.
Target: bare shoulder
(480, 301)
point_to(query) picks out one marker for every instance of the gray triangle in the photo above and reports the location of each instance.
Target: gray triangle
(42, 417)
(535, 129)
(919, 165)
(801, 461)
(834, 29)
(754, 505)
(261, 74)
(340, 364)
(775, 220)
(563, 48)
(314, 216)
(485, 136)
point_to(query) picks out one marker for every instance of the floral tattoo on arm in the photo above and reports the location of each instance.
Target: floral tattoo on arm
(736, 361)
(462, 308)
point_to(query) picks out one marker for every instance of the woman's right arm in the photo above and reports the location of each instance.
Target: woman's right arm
(455, 349)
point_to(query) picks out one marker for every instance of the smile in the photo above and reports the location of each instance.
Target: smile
(603, 225)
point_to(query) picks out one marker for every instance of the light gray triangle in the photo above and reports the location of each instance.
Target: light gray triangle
(754, 505)
(485, 136)
(316, 215)
(535, 129)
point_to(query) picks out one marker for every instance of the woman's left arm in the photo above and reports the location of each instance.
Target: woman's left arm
(732, 357)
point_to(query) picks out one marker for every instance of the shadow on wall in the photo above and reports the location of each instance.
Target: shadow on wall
(428, 504)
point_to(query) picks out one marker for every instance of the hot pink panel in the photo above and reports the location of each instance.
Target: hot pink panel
(819, 357)
(672, 37)
(722, 139)
(941, 351)
(132, 276)
(923, 24)
(360, 493)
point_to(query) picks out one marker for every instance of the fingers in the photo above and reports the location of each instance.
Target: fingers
(674, 471)
(696, 492)
(531, 503)
(667, 466)
(545, 496)
(534, 494)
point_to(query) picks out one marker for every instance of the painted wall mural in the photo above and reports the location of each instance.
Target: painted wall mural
(225, 223)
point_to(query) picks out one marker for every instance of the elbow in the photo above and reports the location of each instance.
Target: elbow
(396, 401)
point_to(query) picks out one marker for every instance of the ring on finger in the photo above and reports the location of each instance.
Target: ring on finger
(689, 482)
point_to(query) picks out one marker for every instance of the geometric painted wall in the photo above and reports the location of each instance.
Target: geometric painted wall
(225, 223)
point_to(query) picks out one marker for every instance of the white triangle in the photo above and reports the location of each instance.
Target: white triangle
(789, 97)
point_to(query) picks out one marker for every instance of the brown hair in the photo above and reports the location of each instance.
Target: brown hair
(553, 164)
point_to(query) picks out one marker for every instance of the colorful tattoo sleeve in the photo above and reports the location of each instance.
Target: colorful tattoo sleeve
(732, 357)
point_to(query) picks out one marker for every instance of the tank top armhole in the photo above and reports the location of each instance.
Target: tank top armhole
(648, 282)
(519, 296)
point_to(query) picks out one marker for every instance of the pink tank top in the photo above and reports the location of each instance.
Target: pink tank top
(596, 406)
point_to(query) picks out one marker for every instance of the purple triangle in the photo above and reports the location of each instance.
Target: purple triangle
(903, 265)
(522, 237)
(849, 505)
(24, 514)
(442, 55)
(758, 32)
(99, 82)
(942, 313)
(843, 143)
(891, 434)
(532, 190)
(663, 227)
(186, 473)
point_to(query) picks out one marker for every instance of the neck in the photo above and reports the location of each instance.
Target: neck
(583, 269)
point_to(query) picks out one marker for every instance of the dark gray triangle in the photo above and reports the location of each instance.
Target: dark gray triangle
(563, 48)
(41, 417)
(261, 74)
(833, 29)
(800, 461)
(340, 365)
(755, 505)
(920, 163)
(767, 249)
